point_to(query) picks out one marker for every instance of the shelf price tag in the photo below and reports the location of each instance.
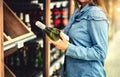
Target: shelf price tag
(20, 44)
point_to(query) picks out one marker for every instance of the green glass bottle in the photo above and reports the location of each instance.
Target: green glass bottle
(18, 61)
(25, 55)
(38, 58)
(12, 61)
(53, 33)
(36, 62)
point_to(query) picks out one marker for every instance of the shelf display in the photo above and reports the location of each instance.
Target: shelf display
(27, 59)
(29, 13)
(22, 55)
(59, 14)
(15, 34)
(15, 31)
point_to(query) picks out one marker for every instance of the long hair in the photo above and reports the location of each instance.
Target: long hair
(99, 3)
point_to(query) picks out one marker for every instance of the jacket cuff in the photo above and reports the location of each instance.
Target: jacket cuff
(70, 50)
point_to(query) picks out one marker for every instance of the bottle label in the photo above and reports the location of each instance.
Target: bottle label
(40, 25)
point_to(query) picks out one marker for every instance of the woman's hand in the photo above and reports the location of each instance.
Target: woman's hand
(61, 44)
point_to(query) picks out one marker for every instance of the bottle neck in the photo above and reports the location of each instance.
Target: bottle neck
(47, 30)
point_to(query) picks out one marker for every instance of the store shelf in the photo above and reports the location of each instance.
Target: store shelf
(58, 3)
(18, 42)
(56, 64)
(15, 31)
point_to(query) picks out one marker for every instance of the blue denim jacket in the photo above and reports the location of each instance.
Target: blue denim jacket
(88, 33)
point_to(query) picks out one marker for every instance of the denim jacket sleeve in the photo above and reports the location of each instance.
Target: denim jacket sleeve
(98, 33)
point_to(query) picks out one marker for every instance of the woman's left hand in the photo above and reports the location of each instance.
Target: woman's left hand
(60, 44)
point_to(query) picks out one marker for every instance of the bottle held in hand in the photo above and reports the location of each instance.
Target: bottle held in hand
(53, 33)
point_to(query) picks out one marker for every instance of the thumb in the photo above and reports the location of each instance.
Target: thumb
(62, 35)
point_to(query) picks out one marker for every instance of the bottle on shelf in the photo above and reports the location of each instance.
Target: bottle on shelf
(56, 70)
(53, 33)
(25, 56)
(12, 61)
(27, 20)
(17, 70)
(56, 14)
(59, 15)
(39, 60)
(64, 15)
(18, 63)
(21, 16)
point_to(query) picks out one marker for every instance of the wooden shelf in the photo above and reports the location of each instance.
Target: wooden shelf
(15, 31)
(1, 41)
(8, 72)
(5, 37)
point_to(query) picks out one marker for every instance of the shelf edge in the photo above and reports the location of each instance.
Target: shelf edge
(15, 43)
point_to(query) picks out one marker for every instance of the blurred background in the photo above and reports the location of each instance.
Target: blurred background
(112, 62)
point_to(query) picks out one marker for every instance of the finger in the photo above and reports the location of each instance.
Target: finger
(62, 36)
(50, 40)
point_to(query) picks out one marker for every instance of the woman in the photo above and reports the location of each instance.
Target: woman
(86, 50)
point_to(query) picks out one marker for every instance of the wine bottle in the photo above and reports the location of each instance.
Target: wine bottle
(27, 20)
(18, 61)
(12, 61)
(53, 33)
(38, 57)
